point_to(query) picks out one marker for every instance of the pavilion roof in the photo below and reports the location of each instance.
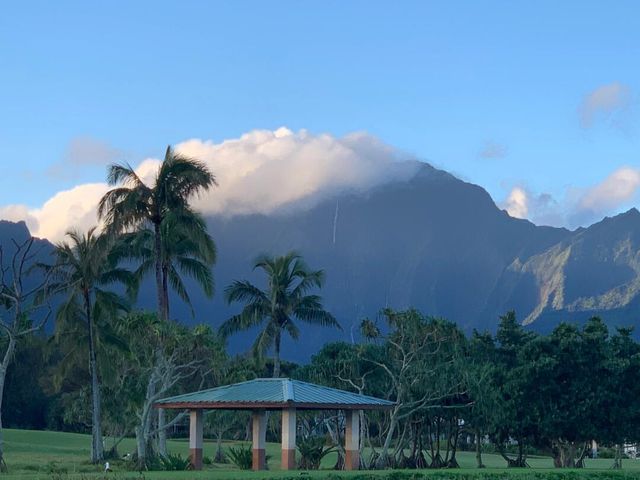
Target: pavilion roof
(274, 393)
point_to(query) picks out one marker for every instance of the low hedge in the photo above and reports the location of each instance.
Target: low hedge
(461, 475)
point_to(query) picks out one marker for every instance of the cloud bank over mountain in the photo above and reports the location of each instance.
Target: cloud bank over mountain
(266, 171)
(580, 206)
(261, 172)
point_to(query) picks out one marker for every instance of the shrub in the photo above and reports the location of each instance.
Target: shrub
(54, 468)
(312, 451)
(174, 463)
(241, 456)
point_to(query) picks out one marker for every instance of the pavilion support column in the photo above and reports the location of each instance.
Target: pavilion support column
(352, 440)
(288, 438)
(195, 439)
(259, 437)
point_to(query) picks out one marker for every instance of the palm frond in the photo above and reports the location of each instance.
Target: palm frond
(241, 291)
(251, 316)
(200, 272)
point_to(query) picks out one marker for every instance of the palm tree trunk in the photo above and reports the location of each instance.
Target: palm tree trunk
(276, 356)
(162, 415)
(159, 289)
(97, 454)
(165, 290)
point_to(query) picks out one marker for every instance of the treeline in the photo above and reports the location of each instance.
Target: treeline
(514, 392)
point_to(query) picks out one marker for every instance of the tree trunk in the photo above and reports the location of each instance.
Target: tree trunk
(163, 315)
(159, 289)
(220, 456)
(276, 357)
(452, 446)
(97, 453)
(383, 460)
(162, 432)
(8, 355)
(617, 462)
(565, 455)
(518, 462)
(479, 463)
(143, 430)
(165, 290)
(141, 448)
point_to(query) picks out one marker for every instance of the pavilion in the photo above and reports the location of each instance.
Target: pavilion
(284, 394)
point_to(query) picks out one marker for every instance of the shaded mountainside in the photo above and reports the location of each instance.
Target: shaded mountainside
(438, 244)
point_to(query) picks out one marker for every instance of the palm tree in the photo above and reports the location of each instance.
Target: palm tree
(84, 267)
(133, 205)
(285, 300)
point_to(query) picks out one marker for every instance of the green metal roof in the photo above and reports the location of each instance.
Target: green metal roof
(274, 393)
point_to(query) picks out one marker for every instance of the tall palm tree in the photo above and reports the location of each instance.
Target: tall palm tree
(283, 301)
(84, 267)
(133, 205)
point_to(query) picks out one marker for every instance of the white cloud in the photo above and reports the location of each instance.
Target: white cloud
(517, 203)
(264, 171)
(260, 172)
(604, 103)
(618, 188)
(580, 206)
(617, 191)
(84, 152)
(493, 150)
(17, 213)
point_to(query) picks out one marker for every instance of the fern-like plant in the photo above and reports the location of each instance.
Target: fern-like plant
(241, 456)
(174, 463)
(312, 451)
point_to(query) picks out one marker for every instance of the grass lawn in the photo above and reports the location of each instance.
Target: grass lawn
(40, 455)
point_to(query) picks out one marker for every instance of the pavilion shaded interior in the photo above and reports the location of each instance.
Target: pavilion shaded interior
(283, 394)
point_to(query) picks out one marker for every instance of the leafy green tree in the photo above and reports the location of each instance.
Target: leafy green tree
(164, 358)
(480, 375)
(514, 419)
(85, 268)
(278, 306)
(618, 421)
(416, 356)
(343, 365)
(134, 206)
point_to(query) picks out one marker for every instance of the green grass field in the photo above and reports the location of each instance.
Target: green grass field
(38, 454)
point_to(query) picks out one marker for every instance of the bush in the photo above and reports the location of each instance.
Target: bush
(449, 475)
(312, 451)
(174, 463)
(54, 468)
(241, 456)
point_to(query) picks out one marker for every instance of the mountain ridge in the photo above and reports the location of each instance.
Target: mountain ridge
(436, 243)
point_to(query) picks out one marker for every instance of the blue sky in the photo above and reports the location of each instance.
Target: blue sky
(449, 82)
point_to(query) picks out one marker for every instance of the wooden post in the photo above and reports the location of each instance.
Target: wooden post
(195, 439)
(259, 439)
(288, 438)
(352, 440)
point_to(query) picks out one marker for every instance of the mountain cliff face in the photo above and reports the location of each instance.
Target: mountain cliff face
(594, 271)
(438, 244)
